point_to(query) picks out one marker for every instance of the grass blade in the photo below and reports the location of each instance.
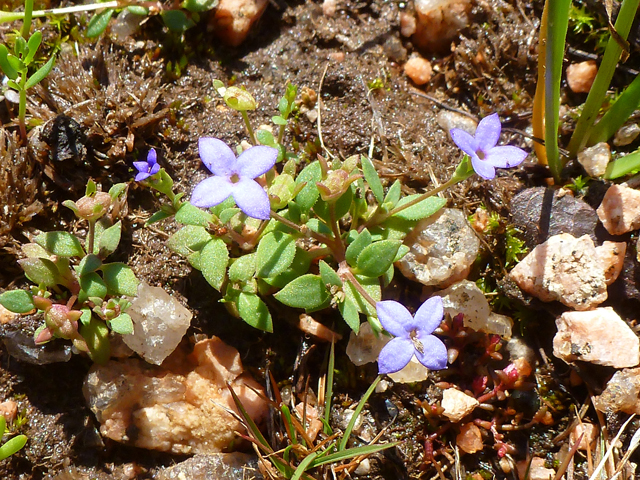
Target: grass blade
(603, 78)
(304, 465)
(329, 389)
(356, 414)
(557, 24)
(623, 166)
(537, 120)
(351, 453)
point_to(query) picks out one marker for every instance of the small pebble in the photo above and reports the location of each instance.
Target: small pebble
(9, 410)
(457, 404)
(469, 440)
(439, 21)
(590, 434)
(580, 76)
(595, 159)
(329, 7)
(619, 211)
(419, 70)
(626, 134)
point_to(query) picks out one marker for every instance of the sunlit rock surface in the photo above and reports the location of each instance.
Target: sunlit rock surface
(233, 19)
(465, 297)
(619, 211)
(179, 407)
(457, 404)
(227, 466)
(159, 323)
(438, 22)
(598, 336)
(595, 159)
(566, 269)
(442, 249)
(622, 393)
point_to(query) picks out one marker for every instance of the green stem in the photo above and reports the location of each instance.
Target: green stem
(379, 218)
(345, 271)
(26, 25)
(339, 252)
(91, 236)
(13, 16)
(22, 109)
(603, 78)
(247, 124)
(306, 231)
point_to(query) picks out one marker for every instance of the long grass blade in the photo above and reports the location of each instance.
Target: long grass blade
(603, 78)
(329, 389)
(623, 166)
(356, 413)
(537, 121)
(304, 465)
(351, 453)
(557, 24)
(250, 424)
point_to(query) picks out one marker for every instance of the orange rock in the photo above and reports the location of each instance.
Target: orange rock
(418, 70)
(469, 440)
(234, 18)
(580, 76)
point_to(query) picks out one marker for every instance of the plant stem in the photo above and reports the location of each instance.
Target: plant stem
(345, 271)
(12, 16)
(339, 252)
(26, 24)
(318, 236)
(247, 124)
(22, 110)
(90, 236)
(378, 219)
(538, 100)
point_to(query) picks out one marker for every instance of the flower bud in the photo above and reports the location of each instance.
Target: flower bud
(239, 99)
(61, 321)
(93, 207)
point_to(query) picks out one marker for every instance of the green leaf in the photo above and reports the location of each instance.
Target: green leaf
(138, 10)
(33, 250)
(122, 324)
(189, 239)
(265, 137)
(85, 318)
(351, 453)
(393, 195)
(40, 74)
(420, 210)
(158, 216)
(12, 445)
(371, 285)
(214, 259)
(120, 279)
(372, 178)
(318, 226)
(32, 46)
(304, 465)
(243, 268)
(96, 334)
(62, 244)
(623, 166)
(40, 271)
(376, 259)
(109, 240)
(275, 253)
(190, 215)
(329, 275)
(307, 291)
(298, 267)
(341, 206)
(309, 194)
(6, 67)
(199, 5)
(349, 312)
(227, 214)
(176, 20)
(402, 251)
(253, 311)
(91, 285)
(194, 260)
(218, 209)
(17, 301)
(88, 264)
(354, 249)
(278, 120)
(98, 23)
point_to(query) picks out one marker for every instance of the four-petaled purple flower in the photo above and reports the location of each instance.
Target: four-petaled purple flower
(148, 168)
(485, 156)
(234, 176)
(413, 335)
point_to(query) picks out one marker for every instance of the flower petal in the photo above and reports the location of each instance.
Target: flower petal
(255, 161)
(483, 168)
(434, 352)
(395, 355)
(464, 141)
(152, 157)
(505, 157)
(488, 132)
(429, 316)
(395, 318)
(251, 198)
(210, 192)
(217, 156)
(142, 176)
(141, 166)
(154, 169)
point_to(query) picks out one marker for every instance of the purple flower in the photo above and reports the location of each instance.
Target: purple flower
(413, 335)
(485, 156)
(148, 168)
(234, 176)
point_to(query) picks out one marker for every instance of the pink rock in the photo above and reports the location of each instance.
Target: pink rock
(610, 256)
(598, 336)
(589, 435)
(439, 21)
(535, 470)
(9, 410)
(233, 19)
(419, 70)
(180, 407)
(565, 269)
(619, 211)
(622, 393)
(469, 440)
(457, 404)
(580, 76)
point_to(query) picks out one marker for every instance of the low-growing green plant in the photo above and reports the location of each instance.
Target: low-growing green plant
(81, 295)
(12, 445)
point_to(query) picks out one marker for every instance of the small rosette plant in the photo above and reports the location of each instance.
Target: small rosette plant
(80, 294)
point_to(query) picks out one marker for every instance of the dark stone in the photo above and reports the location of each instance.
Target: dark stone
(542, 212)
